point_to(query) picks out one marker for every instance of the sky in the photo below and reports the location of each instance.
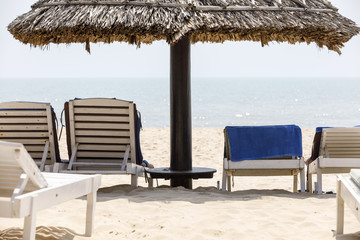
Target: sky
(227, 60)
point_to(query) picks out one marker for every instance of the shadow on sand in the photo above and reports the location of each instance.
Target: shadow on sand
(198, 195)
(42, 233)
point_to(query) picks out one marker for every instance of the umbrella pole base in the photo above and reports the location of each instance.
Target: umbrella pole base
(181, 182)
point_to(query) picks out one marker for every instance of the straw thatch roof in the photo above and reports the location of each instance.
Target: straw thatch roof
(145, 21)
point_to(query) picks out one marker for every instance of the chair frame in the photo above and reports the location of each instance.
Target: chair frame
(339, 152)
(347, 192)
(50, 188)
(23, 122)
(76, 116)
(265, 167)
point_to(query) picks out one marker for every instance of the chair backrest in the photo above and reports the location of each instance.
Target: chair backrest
(102, 128)
(15, 161)
(340, 143)
(262, 142)
(31, 124)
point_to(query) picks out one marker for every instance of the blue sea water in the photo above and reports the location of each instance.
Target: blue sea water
(307, 102)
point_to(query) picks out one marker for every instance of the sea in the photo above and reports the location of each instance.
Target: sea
(215, 102)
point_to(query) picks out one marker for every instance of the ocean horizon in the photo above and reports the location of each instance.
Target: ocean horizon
(216, 102)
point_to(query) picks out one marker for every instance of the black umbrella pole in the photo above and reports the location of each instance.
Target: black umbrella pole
(180, 111)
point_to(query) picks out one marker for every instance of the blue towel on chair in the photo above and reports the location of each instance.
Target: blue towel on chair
(258, 142)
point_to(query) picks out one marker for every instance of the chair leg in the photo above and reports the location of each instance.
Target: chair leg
(295, 182)
(90, 211)
(150, 182)
(30, 227)
(302, 180)
(229, 183)
(319, 182)
(339, 210)
(310, 186)
(134, 180)
(224, 177)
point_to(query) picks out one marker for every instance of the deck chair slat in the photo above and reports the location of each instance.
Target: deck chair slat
(22, 113)
(97, 133)
(343, 137)
(102, 126)
(106, 154)
(101, 102)
(37, 141)
(343, 130)
(22, 127)
(95, 164)
(103, 140)
(24, 134)
(344, 155)
(343, 150)
(102, 159)
(101, 111)
(23, 120)
(23, 105)
(102, 147)
(344, 141)
(342, 145)
(38, 155)
(9, 167)
(343, 134)
(34, 148)
(81, 118)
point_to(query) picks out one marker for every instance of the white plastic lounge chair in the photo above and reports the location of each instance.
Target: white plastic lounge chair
(263, 151)
(101, 137)
(339, 152)
(348, 191)
(33, 125)
(24, 190)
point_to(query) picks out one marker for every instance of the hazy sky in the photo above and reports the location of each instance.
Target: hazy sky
(231, 59)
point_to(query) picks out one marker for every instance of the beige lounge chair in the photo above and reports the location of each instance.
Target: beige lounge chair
(101, 137)
(24, 190)
(289, 161)
(339, 152)
(32, 124)
(348, 191)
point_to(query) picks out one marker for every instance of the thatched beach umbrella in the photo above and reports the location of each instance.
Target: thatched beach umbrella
(181, 22)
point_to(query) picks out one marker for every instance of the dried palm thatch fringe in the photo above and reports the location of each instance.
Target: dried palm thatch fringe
(145, 21)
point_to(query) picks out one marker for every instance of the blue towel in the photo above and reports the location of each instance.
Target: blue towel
(258, 142)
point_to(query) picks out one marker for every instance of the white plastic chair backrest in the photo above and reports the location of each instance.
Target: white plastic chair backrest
(340, 143)
(15, 163)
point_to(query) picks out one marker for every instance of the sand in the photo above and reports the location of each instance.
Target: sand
(257, 208)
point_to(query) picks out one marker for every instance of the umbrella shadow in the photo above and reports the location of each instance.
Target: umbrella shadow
(198, 195)
(42, 233)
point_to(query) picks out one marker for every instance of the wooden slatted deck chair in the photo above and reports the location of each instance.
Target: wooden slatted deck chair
(348, 191)
(24, 190)
(339, 152)
(263, 151)
(101, 137)
(33, 125)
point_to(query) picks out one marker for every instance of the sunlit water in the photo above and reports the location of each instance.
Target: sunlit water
(215, 102)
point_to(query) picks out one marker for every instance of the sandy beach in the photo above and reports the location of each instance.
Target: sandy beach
(257, 208)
